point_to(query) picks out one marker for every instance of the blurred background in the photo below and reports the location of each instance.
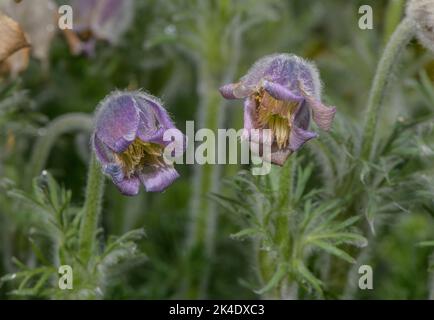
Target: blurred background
(182, 51)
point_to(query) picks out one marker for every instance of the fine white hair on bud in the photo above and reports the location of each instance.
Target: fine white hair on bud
(422, 12)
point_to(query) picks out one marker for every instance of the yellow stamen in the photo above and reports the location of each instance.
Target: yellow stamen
(275, 115)
(138, 155)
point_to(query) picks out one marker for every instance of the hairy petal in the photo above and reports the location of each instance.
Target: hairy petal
(128, 186)
(228, 91)
(149, 130)
(279, 92)
(157, 179)
(83, 11)
(299, 136)
(234, 91)
(155, 121)
(103, 154)
(111, 18)
(280, 156)
(114, 171)
(249, 117)
(149, 104)
(301, 116)
(322, 115)
(117, 121)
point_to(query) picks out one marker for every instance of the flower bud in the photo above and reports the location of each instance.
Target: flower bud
(128, 141)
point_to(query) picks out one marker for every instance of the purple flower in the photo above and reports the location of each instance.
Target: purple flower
(281, 91)
(98, 19)
(128, 141)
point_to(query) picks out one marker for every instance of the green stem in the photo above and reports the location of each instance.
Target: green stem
(45, 142)
(200, 242)
(203, 213)
(400, 38)
(278, 226)
(91, 210)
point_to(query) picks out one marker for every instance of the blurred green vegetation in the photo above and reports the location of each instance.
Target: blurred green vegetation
(153, 55)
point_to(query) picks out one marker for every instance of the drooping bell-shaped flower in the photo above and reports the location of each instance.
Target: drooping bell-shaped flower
(129, 141)
(98, 19)
(281, 91)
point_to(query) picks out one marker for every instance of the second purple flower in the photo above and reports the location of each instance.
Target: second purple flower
(281, 92)
(98, 19)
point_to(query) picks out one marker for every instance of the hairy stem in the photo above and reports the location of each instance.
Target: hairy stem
(203, 219)
(45, 142)
(91, 210)
(278, 225)
(400, 38)
(393, 15)
(203, 213)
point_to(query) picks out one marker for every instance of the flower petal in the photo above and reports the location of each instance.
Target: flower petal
(111, 18)
(83, 11)
(280, 156)
(301, 117)
(155, 121)
(299, 125)
(148, 131)
(249, 117)
(103, 154)
(156, 179)
(114, 171)
(117, 121)
(234, 91)
(321, 114)
(128, 186)
(279, 92)
(273, 154)
(149, 104)
(299, 136)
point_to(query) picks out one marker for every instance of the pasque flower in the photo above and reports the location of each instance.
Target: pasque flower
(128, 141)
(98, 19)
(281, 91)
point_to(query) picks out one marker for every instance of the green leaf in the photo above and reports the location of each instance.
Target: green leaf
(426, 243)
(245, 233)
(303, 176)
(339, 237)
(334, 251)
(7, 277)
(229, 204)
(346, 223)
(38, 253)
(309, 277)
(275, 279)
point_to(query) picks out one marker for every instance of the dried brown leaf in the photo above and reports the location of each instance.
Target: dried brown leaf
(12, 37)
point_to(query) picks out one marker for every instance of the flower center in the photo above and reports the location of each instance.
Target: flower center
(275, 115)
(138, 155)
